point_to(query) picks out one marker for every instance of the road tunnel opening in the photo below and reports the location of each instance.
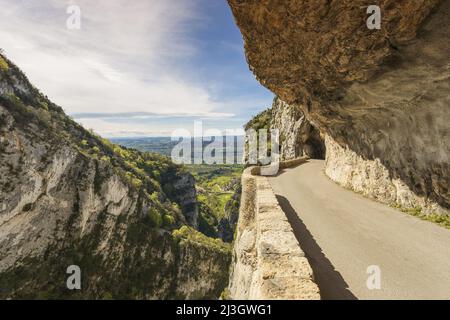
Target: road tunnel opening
(314, 146)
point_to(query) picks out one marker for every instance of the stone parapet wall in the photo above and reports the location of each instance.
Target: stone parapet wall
(268, 262)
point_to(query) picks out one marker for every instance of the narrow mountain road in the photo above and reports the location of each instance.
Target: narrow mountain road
(343, 233)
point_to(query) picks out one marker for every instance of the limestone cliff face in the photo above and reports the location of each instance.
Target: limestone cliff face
(380, 96)
(186, 196)
(70, 198)
(298, 137)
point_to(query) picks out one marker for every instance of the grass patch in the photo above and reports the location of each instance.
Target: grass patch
(439, 219)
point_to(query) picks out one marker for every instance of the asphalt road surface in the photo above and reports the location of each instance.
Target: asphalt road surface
(343, 234)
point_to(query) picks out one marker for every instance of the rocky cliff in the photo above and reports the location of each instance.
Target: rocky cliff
(380, 97)
(68, 197)
(298, 137)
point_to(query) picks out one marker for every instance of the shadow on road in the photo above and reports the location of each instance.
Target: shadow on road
(330, 282)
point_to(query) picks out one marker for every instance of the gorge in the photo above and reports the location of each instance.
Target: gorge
(364, 120)
(127, 219)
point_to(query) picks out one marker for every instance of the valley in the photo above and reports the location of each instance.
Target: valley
(332, 183)
(218, 187)
(129, 220)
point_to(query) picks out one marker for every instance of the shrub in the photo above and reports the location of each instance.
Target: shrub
(155, 217)
(260, 121)
(156, 174)
(107, 296)
(44, 105)
(96, 150)
(189, 234)
(105, 159)
(107, 143)
(3, 65)
(44, 117)
(21, 112)
(137, 183)
(176, 208)
(154, 197)
(225, 295)
(168, 220)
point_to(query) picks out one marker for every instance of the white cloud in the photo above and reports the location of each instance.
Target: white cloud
(124, 58)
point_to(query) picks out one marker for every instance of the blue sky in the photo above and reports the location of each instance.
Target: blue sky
(136, 67)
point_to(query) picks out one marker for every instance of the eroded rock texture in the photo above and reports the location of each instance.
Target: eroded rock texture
(383, 94)
(298, 137)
